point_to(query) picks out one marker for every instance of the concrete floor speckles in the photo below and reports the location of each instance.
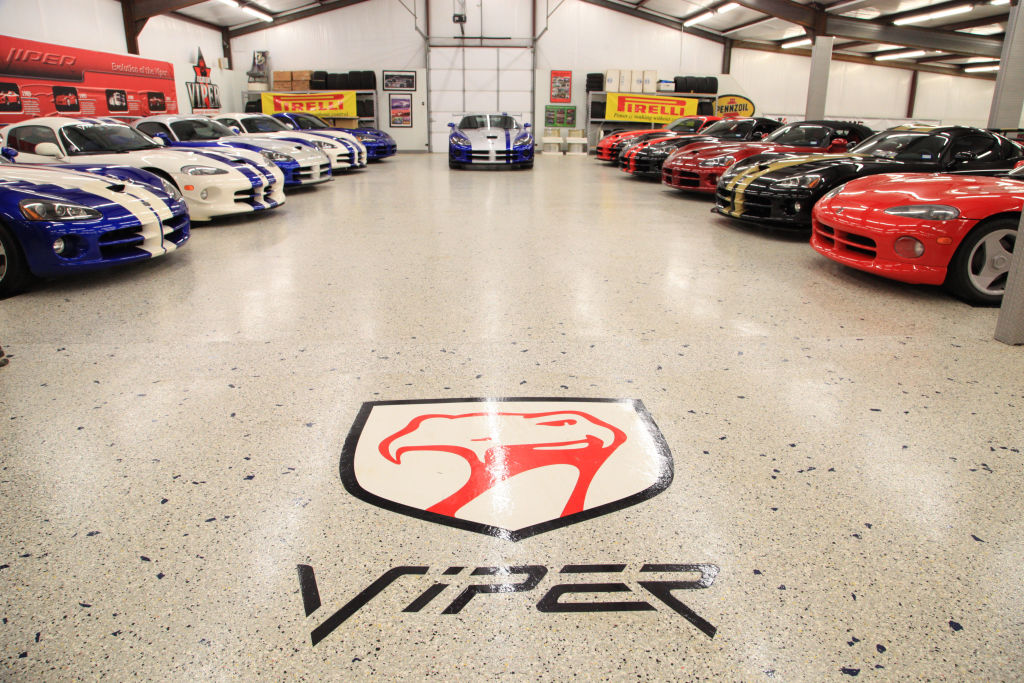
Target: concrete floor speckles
(847, 450)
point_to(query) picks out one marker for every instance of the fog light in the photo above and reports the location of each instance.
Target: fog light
(908, 247)
(797, 207)
(59, 245)
(204, 194)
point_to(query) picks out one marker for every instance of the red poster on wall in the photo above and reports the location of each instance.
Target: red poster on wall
(40, 79)
(561, 86)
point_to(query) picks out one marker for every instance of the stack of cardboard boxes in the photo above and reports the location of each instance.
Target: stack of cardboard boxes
(292, 81)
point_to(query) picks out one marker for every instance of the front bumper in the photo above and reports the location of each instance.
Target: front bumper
(692, 177)
(379, 149)
(853, 243)
(308, 168)
(783, 209)
(256, 190)
(102, 243)
(499, 157)
(642, 164)
(609, 152)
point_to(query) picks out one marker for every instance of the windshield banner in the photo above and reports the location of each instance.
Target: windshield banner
(40, 79)
(331, 103)
(649, 108)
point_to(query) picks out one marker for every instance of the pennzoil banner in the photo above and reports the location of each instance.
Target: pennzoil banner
(734, 105)
(41, 79)
(637, 107)
(333, 103)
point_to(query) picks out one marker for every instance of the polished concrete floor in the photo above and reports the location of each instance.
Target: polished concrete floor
(846, 498)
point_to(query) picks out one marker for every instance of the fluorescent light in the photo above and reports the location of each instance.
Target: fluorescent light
(928, 16)
(699, 18)
(900, 55)
(230, 3)
(978, 69)
(796, 43)
(256, 13)
(999, 2)
(730, 6)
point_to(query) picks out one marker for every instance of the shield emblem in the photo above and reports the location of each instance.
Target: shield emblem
(506, 467)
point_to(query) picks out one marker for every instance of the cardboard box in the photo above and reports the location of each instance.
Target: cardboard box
(282, 86)
(300, 85)
(282, 76)
(650, 81)
(302, 75)
(637, 81)
(625, 80)
(611, 80)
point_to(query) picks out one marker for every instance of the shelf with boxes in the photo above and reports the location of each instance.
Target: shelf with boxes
(645, 83)
(363, 83)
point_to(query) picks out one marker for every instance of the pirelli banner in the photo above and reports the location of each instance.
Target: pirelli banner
(331, 103)
(650, 108)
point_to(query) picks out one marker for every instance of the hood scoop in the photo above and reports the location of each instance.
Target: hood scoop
(118, 187)
(492, 137)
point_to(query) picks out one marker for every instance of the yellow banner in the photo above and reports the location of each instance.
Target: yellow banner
(637, 107)
(733, 105)
(333, 103)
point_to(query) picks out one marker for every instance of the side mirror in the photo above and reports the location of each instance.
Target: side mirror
(289, 125)
(1019, 164)
(757, 136)
(526, 125)
(236, 130)
(839, 145)
(964, 155)
(162, 139)
(49, 149)
(451, 125)
(10, 153)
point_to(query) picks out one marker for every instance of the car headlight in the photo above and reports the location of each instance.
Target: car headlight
(365, 138)
(169, 188)
(459, 141)
(271, 155)
(43, 210)
(715, 162)
(798, 181)
(202, 170)
(522, 141)
(928, 212)
(324, 144)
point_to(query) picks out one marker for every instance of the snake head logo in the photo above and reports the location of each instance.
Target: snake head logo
(510, 468)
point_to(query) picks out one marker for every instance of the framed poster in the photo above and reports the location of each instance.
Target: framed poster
(400, 108)
(561, 86)
(399, 80)
(559, 116)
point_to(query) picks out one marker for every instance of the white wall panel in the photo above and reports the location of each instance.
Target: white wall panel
(442, 101)
(446, 79)
(479, 79)
(773, 82)
(517, 103)
(87, 24)
(482, 101)
(446, 59)
(866, 91)
(495, 18)
(174, 40)
(513, 59)
(517, 80)
(950, 99)
(481, 58)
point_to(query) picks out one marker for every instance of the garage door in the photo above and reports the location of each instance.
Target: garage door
(477, 79)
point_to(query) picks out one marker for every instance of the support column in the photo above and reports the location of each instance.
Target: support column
(912, 96)
(1010, 324)
(1008, 99)
(727, 56)
(817, 87)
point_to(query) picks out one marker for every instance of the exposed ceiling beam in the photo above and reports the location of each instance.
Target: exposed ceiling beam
(938, 7)
(975, 23)
(657, 19)
(280, 19)
(801, 15)
(749, 24)
(908, 66)
(195, 22)
(144, 9)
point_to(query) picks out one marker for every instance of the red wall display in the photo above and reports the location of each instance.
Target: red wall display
(40, 79)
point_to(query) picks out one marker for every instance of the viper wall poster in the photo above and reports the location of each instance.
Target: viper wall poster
(41, 79)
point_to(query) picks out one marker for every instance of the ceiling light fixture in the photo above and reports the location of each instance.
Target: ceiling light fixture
(699, 18)
(978, 69)
(999, 2)
(900, 55)
(796, 43)
(730, 6)
(229, 3)
(928, 16)
(258, 14)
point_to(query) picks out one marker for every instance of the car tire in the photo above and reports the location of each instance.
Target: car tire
(14, 272)
(454, 164)
(978, 270)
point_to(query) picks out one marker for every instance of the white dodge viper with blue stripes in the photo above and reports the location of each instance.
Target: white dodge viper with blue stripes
(214, 183)
(490, 139)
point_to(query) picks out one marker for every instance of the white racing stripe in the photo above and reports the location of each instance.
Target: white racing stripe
(149, 209)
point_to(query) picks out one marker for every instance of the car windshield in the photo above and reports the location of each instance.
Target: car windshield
(488, 121)
(729, 130)
(262, 124)
(904, 145)
(100, 139)
(309, 122)
(685, 125)
(800, 136)
(191, 130)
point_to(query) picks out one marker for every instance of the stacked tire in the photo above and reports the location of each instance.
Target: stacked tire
(595, 82)
(696, 84)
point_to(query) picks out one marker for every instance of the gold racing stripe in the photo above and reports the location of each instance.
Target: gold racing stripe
(742, 181)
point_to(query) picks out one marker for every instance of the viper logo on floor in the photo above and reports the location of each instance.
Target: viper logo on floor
(510, 468)
(528, 577)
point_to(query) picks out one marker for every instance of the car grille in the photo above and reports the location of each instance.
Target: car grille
(850, 244)
(754, 206)
(308, 172)
(500, 155)
(252, 196)
(682, 178)
(174, 229)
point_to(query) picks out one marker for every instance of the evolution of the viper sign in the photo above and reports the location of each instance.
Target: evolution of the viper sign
(40, 79)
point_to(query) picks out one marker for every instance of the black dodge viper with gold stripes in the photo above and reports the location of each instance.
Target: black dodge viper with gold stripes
(780, 190)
